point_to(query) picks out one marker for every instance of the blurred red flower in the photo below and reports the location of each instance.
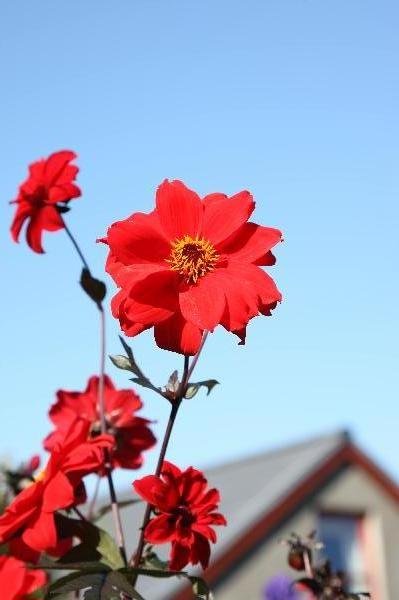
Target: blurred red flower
(190, 265)
(132, 434)
(29, 521)
(185, 513)
(17, 581)
(50, 181)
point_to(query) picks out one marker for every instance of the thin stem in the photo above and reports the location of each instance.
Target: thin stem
(101, 406)
(108, 466)
(308, 564)
(75, 244)
(196, 357)
(172, 417)
(80, 515)
(90, 512)
(100, 398)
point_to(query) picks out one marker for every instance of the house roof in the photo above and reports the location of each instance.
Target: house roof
(257, 492)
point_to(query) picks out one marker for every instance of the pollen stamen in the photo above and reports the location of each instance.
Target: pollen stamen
(192, 257)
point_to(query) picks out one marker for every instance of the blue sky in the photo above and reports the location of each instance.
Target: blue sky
(295, 100)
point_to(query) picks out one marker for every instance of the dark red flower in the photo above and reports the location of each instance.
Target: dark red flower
(29, 521)
(190, 265)
(185, 512)
(17, 581)
(132, 434)
(50, 181)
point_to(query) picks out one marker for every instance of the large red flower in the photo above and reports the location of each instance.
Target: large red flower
(190, 265)
(29, 521)
(185, 512)
(132, 434)
(17, 582)
(50, 181)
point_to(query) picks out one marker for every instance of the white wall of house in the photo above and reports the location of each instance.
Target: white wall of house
(353, 491)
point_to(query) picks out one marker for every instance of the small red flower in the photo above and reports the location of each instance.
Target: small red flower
(185, 513)
(29, 521)
(17, 581)
(190, 265)
(50, 181)
(132, 434)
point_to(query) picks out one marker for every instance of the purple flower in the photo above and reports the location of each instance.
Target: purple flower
(280, 588)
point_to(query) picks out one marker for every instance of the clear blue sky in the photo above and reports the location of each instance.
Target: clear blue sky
(296, 100)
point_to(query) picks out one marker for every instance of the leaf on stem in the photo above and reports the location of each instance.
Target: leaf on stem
(128, 363)
(93, 287)
(200, 587)
(173, 385)
(121, 362)
(96, 544)
(95, 586)
(193, 388)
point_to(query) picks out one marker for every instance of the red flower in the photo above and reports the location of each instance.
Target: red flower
(190, 265)
(17, 581)
(29, 521)
(184, 510)
(132, 434)
(50, 181)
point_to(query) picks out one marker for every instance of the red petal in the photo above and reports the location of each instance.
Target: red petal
(203, 303)
(180, 210)
(47, 219)
(55, 165)
(205, 531)
(255, 280)
(139, 239)
(150, 488)
(42, 534)
(21, 510)
(178, 335)
(200, 551)
(153, 299)
(23, 212)
(170, 469)
(160, 530)
(59, 493)
(250, 242)
(179, 557)
(223, 215)
(268, 260)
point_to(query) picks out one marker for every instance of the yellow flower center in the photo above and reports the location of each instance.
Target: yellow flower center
(192, 257)
(40, 476)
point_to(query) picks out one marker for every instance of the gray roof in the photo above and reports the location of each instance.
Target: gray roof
(249, 488)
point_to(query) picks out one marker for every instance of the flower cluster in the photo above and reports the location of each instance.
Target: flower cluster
(183, 269)
(185, 513)
(132, 434)
(17, 582)
(191, 265)
(50, 182)
(29, 522)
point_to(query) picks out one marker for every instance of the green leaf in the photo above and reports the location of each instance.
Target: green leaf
(95, 586)
(150, 572)
(94, 288)
(173, 385)
(95, 543)
(193, 388)
(200, 587)
(152, 561)
(121, 362)
(85, 566)
(140, 378)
